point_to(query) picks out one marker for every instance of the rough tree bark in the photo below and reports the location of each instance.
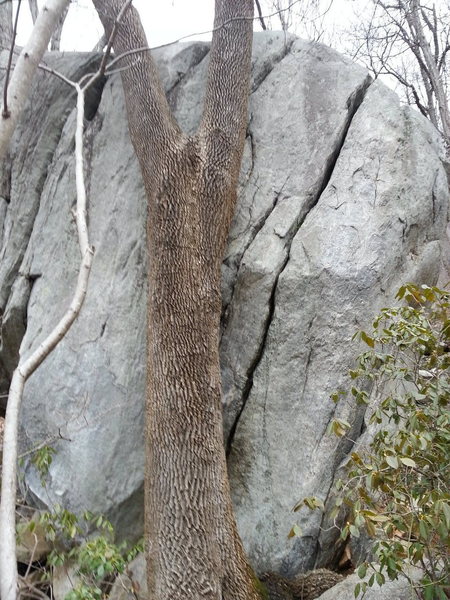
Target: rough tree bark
(193, 549)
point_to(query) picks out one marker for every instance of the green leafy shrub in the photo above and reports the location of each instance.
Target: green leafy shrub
(97, 559)
(398, 491)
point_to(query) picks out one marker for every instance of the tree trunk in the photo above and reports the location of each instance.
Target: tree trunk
(55, 42)
(193, 549)
(25, 68)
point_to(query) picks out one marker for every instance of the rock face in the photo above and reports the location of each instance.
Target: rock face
(400, 589)
(343, 197)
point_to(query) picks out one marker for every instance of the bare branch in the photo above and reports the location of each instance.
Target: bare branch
(421, 32)
(260, 15)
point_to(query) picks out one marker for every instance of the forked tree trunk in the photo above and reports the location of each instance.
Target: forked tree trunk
(193, 549)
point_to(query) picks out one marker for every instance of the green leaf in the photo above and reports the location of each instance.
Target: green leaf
(446, 511)
(362, 570)
(423, 529)
(354, 531)
(312, 502)
(409, 462)
(367, 339)
(357, 589)
(295, 532)
(392, 461)
(378, 518)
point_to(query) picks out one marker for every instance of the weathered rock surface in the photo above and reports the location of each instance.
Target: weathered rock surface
(316, 275)
(131, 585)
(343, 197)
(400, 589)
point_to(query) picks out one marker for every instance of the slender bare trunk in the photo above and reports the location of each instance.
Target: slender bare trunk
(193, 549)
(56, 37)
(8, 560)
(27, 63)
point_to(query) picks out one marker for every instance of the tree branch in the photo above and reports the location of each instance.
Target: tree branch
(146, 102)
(228, 82)
(34, 10)
(260, 15)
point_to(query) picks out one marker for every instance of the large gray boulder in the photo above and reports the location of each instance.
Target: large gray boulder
(342, 198)
(398, 589)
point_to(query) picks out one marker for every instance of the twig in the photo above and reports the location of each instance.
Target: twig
(57, 74)
(260, 15)
(30, 562)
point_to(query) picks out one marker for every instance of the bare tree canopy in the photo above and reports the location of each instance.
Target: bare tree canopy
(307, 18)
(409, 40)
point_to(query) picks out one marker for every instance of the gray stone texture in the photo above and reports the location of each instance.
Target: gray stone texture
(343, 197)
(399, 589)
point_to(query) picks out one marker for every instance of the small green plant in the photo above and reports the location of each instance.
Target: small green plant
(98, 560)
(398, 491)
(42, 459)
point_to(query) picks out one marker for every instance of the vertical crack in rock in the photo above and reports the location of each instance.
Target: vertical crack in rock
(256, 229)
(93, 98)
(16, 283)
(269, 65)
(48, 130)
(199, 53)
(353, 103)
(258, 79)
(13, 327)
